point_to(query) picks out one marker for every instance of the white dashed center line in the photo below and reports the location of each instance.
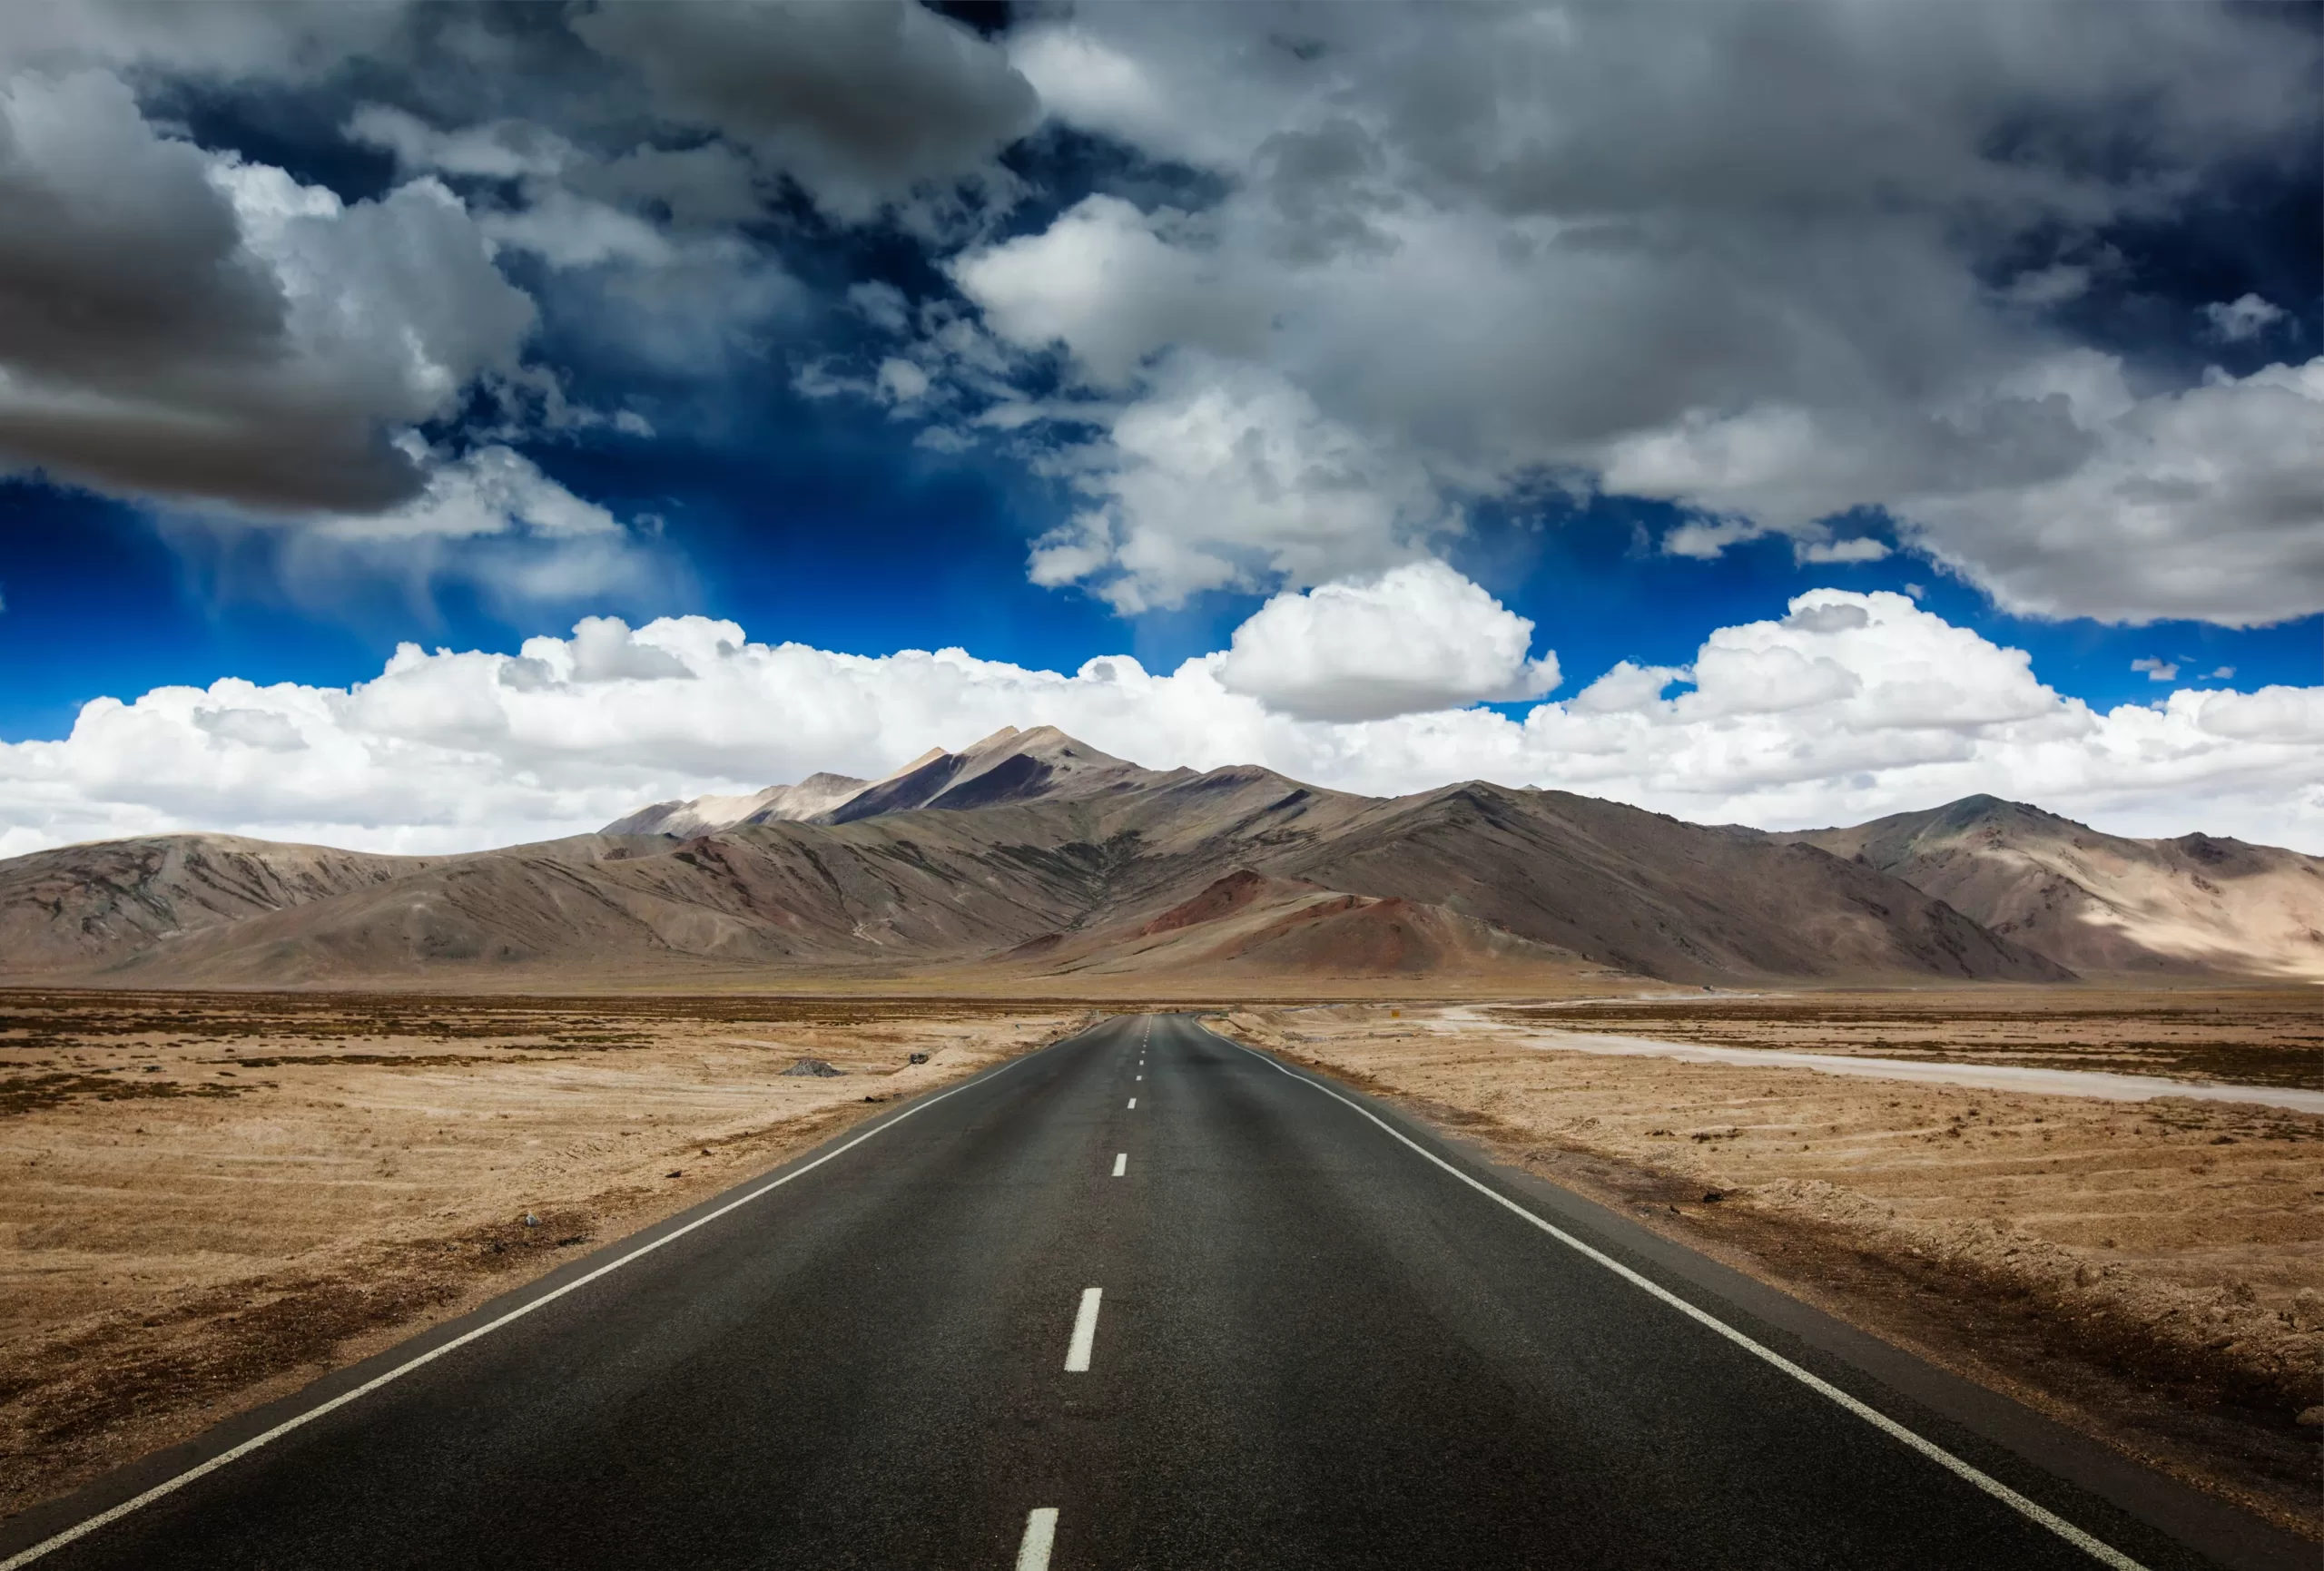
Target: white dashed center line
(1040, 1536)
(1085, 1334)
(1121, 1163)
(1133, 1101)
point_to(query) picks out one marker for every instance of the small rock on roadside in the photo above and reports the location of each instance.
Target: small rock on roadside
(2310, 1418)
(814, 1066)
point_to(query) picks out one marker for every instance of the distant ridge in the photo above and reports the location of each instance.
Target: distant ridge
(1009, 765)
(810, 798)
(2104, 904)
(1029, 859)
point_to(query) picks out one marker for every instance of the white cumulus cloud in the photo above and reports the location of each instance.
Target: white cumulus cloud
(1846, 707)
(1417, 638)
(1228, 475)
(1111, 286)
(2207, 503)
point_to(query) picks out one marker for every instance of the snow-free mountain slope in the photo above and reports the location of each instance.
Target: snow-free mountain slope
(2101, 903)
(90, 905)
(1033, 855)
(810, 798)
(1009, 766)
(1652, 894)
(1248, 924)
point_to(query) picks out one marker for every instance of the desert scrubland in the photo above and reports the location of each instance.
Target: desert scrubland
(2151, 1272)
(210, 1200)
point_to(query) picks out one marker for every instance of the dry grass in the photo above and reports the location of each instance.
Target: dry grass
(211, 1199)
(2151, 1272)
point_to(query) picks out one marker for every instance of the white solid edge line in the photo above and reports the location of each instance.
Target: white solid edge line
(170, 1486)
(1085, 1332)
(1040, 1536)
(2096, 1548)
(1121, 1163)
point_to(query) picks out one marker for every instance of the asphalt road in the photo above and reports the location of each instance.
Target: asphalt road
(1319, 1337)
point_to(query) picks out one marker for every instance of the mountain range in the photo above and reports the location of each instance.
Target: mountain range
(1035, 860)
(2101, 904)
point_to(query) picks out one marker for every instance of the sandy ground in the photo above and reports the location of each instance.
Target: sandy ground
(208, 1201)
(2150, 1272)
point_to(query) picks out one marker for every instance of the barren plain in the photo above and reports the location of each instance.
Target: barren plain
(2150, 1272)
(210, 1200)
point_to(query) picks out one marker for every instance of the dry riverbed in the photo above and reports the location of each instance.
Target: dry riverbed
(2152, 1272)
(207, 1201)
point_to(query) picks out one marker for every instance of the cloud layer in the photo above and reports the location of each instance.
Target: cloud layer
(1278, 293)
(1848, 706)
(1817, 260)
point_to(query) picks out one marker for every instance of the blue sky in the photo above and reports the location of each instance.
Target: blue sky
(932, 553)
(1050, 334)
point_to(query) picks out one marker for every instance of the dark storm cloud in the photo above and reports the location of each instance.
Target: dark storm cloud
(861, 103)
(177, 324)
(118, 255)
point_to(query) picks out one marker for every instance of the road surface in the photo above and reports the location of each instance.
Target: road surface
(1143, 1299)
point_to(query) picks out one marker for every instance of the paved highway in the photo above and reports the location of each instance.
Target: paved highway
(1143, 1299)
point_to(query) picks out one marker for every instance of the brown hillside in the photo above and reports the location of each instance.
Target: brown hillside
(1029, 854)
(88, 906)
(1651, 894)
(2101, 903)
